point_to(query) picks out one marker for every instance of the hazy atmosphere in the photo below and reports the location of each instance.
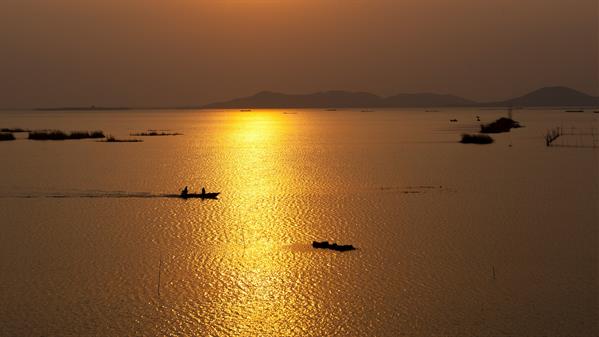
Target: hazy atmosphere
(188, 52)
(299, 168)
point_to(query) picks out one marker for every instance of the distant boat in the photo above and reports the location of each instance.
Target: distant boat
(574, 110)
(453, 120)
(212, 195)
(331, 109)
(245, 110)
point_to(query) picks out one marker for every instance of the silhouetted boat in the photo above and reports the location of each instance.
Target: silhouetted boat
(332, 246)
(199, 195)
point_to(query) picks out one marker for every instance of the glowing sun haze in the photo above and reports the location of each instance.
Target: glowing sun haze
(188, 52)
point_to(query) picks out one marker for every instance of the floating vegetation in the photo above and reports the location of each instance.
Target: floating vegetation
(333, 246)
(16, 130)
(503, 124)
(60, 135)
(155, 133)
(476, 139)
(111, 139)
(6, 136)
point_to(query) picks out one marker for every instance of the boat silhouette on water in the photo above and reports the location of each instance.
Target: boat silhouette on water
(212, 195)
(203, 195)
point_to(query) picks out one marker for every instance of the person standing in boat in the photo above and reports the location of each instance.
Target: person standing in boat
(203, 191)
(185, 191)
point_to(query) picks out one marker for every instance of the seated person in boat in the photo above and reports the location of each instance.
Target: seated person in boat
(184, 192)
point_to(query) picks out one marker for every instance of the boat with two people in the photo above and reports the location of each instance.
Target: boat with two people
(202, 195)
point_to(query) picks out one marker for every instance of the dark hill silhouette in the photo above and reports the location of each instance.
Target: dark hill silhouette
(426, 100)
(550, 96)
(327, 99)
(340, 99)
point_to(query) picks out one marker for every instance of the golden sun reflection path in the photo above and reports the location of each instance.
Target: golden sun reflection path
(265, 295)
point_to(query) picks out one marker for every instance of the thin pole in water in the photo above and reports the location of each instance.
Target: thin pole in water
(493, 272)
(159, 272)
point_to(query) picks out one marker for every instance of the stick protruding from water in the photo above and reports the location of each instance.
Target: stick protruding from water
(159, 272)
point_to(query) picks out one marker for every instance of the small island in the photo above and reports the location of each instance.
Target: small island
(503, 124)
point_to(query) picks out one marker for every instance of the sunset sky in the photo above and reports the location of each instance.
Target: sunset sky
(189, 52)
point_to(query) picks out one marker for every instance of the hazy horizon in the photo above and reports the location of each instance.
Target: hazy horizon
(184, 52)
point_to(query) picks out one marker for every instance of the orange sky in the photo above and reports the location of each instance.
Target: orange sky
(185, 52)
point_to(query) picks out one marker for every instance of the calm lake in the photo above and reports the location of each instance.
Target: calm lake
(453, 239)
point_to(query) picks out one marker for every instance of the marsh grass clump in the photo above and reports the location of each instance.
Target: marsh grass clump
(476, 139)
(6, 136)
(85, 135)
(155, 133)
(48, 135)
(60, 135)
(15, 130)
(503, 124)
(111, 139)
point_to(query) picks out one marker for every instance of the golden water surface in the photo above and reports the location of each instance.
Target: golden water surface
(452, 239)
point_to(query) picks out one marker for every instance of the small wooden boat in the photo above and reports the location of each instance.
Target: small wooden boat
(213, 195)
(332, 246)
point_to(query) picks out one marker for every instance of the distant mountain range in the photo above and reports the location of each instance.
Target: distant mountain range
(549, 96)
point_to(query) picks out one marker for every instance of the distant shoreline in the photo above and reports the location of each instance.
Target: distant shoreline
(541, 98)
(89, 108)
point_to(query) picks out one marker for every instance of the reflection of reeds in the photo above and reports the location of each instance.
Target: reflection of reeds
(6, 136)
(60, 135)
(476, 139)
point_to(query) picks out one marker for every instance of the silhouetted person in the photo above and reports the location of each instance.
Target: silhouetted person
(203, 191)
(185, 191)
